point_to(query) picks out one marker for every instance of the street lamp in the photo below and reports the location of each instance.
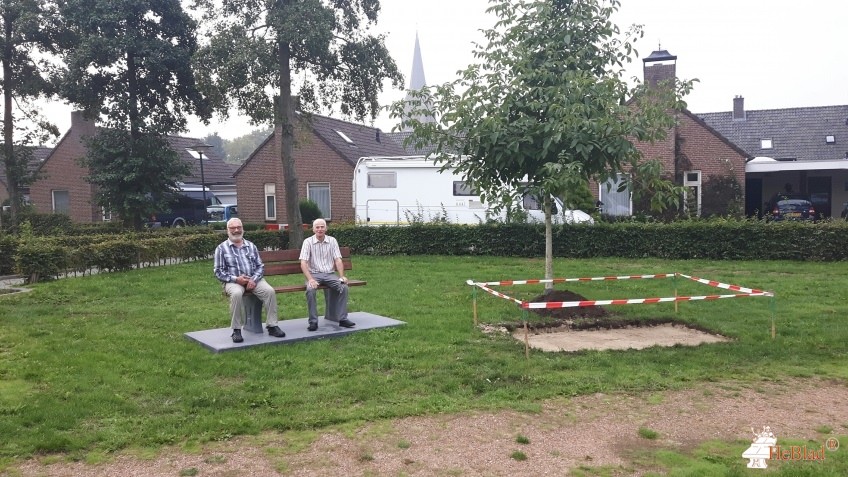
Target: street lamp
(199, 148)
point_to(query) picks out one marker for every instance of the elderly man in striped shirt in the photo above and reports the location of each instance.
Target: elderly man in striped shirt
(238, 266)
(319, 257)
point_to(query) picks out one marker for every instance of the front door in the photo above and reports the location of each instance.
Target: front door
(754, 197)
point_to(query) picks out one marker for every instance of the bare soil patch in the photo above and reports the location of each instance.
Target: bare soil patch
(596, 328)
(593, 430)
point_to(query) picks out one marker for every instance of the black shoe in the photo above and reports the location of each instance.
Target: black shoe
(347, 324)
(237, 336)
(276, 332)
(312, 327)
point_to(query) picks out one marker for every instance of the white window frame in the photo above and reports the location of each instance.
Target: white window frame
(384, 175)
(602, 190)
(766, 144)
(107, 214)
(270, 193)
(690, 183)
(53, 199)
(328, 214)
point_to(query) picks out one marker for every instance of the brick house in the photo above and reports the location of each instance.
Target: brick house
(803, 149)
(39, 154)
(325, 154)
(693, 154)
(62, 188)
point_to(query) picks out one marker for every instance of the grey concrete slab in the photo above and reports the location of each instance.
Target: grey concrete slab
(218, 339)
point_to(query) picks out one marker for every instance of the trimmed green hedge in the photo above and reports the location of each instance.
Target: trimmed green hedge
(45, 257)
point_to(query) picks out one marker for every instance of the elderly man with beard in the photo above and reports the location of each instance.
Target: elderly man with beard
(239, 268)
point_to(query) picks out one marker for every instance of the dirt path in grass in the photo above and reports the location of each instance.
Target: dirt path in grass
(595, 430)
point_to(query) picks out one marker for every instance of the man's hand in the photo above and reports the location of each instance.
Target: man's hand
(250, 285)
(312, 283)
(343, 280)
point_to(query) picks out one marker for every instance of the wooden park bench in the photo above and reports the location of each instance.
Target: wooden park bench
(287, 262)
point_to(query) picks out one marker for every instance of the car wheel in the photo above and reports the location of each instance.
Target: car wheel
(178, 223)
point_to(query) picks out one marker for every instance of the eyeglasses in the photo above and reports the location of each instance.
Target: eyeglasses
(234, 228)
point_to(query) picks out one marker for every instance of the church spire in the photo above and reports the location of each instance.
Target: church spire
(417, 81)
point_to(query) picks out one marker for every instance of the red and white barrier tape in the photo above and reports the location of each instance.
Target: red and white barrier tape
(726, 286)
(632, 301)
(745, 292)
(564, 280)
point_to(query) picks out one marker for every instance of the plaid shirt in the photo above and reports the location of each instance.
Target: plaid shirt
(232, 261)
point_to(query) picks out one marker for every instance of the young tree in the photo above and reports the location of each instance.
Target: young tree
(544, 109)
(258, 48)
(31, 33)
(132, 67)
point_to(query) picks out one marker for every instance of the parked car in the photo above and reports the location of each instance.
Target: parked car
(790, 206)
(186, 209)
(222, 212)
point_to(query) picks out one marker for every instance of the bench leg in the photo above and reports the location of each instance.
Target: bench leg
(253, 314)
(330, 312)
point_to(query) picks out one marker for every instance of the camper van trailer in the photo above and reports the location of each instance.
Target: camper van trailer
(405, 189)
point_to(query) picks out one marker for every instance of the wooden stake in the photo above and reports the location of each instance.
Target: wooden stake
(526, 341)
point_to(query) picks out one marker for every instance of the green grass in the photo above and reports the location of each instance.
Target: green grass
(96, 364)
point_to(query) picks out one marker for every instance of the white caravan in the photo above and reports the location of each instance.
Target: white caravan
(407, 189)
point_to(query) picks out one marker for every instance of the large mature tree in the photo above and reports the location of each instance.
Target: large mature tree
(31, 35)
(131, 68)
(258, 49)
(543, 110)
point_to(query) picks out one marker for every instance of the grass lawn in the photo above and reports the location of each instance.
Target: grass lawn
(99, 363)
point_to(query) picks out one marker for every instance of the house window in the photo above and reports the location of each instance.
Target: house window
(765, 144)
(830, 139)
(461, 188)
(271, 201)
(692, 193)
(382, 180)
(319, 192)
(107, 214)
(61, 202)
(615, 202)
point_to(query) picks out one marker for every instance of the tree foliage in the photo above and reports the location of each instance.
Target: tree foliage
(29, 33)
(131, 67)
(545, 107)
(258, 47)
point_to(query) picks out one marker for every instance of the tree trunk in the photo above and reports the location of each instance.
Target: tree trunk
(12, 179)
(286, 121)
(549, 244)
(135, 125)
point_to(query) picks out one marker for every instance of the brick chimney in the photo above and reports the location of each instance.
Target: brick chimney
(659, 66)
(83, 126)
(739, 109)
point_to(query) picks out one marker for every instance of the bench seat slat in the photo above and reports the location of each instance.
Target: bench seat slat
(302, 288)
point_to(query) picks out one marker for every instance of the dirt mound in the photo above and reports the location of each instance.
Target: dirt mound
(552, 296)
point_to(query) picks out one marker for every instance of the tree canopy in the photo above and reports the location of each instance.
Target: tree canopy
(31, 31)
(546, 107)
(258, 48)
(131, 68)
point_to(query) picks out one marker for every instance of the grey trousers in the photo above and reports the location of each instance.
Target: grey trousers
(263, 291)
(336, 297)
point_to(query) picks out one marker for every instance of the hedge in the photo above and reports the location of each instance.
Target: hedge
(45, 257)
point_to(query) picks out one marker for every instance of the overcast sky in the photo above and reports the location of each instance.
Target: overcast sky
(774, 54)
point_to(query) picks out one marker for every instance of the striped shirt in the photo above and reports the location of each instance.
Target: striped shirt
(232, 261)
(321, 256)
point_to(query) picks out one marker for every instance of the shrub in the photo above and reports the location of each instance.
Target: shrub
(309, 211)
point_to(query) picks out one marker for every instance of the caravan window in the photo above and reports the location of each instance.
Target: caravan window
(382, 180)
(462, 188)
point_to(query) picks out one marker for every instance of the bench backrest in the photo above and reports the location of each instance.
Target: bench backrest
(287, 262)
